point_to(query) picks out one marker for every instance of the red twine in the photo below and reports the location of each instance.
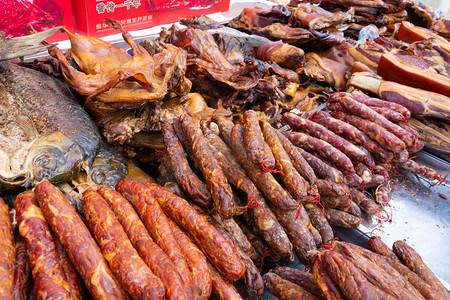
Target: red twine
(255, 205)
(351, 198)
(308, 268)
(412, 157)
(297, 215)
(210, 118)
(328, 247)
(159, 151)
(265, 169)
(316, 199)
(298, 297)
(268, 254)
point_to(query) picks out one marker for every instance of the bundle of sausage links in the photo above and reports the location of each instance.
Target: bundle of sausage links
(348, 271)
(138, 241)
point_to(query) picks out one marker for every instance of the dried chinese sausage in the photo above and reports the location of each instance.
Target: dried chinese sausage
(322, 169)
(374, 102)
(7, 253)
(369, 206)
(318, 220)
(341, 218)
(73, 279)
(285, 289)
(329, 288)
(221, 287)
(22, 271)
(304, 279)
(422, 170)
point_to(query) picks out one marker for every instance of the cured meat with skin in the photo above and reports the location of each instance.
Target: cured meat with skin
(314, 17)
(73, 279)
(7, 253)
(285, 289)
(22, 271)
(300, 164)
(158, 261)
(285, 55)
(298, 123)
(221, 191)
(267, 184)
(292, 180)
(413, 261)
(215, 247)
(321, 169)
(129, 268)
(375, 131)
(263, 218)
(201, 275)
(254, 141)
(304, 279)
(84, 253)
(328, 287)
(78, 242)
(179, 167)
(221, 287)
(49, 278)
(351, 132)
(326, 150)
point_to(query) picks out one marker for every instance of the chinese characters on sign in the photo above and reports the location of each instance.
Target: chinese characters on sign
(110, 6)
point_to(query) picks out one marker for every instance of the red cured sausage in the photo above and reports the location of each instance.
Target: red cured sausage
(78, 242)
(129, 268)
(254, 141)
(221, 287)
(389, 114)
(7, 253)
(157, 224)
(366, 204)
(215, 247)
(351, 132)
(374, 102)
(284, 289)
(316, 214)
(225, 126)
(152, 254)
(321, 132)
(50, 281)
(322, 169)
(22, 273)
(73, 279)
(304, 279)
(179, 167)
(328, 287)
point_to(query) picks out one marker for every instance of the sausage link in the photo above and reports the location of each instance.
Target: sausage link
(351, 132)
(157, 260)
(263, 218)
(341, 218)
(254, 141)
(292, 180)
(178, 164)
(330, 290)
(365, 203)
(319, 221)
(389, 114)
(267, 184)
(419, 169)
(304, 279)
(7, 253)
(73, 279)
(221, 287)
(84, 253)
(225, 126)
(157, 224)
(323, 133)
(375, 131)
(326, 150)
(221, 191)
(218, 250)
(22, 273)
(284, 289)
(132, 272)
(322, 169)
(374, 102)
(49, 278)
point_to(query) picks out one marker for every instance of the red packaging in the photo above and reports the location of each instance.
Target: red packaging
(137, 14)
(21, 15)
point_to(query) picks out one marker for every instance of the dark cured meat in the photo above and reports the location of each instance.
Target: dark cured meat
(319, 221)
(304, 279)
(78, 242)
(298, 123)
(284, 289)
(225, 126)
(300, 164)
(134, 275)
(342, 202)
(179, 167)
(7, 253)
(267, 184)
(341, 218)
(221, 191)
(292, 180)
(49, 278)
(326, 150)
(263, 218)
(201, 275)
(375, 131)
(413, 261)
(151, 253)
(378, 246)
(22, 271)
(352, 282)
(298, 232)
(365, 203)
(351, 132)
(365, 112)
(218, 250)
(321, 169)
(328, 287)
(221, 287)
(73, 279)
(329, 188)
(157, 224)
(254, 141)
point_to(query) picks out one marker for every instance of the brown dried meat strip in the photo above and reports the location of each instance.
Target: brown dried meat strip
(316, 215)
(221, 191)
(341, 218)
(49, 278)
(369, 206)
(292, 180)
(132, 272)
(304, 279)
(7, 253)
(329, 288)
(284, 289)
(158, 261)
(254, 142)
(322, 169)
(178, 165)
